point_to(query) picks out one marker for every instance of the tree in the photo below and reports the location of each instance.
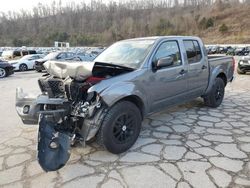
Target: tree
(223, 28)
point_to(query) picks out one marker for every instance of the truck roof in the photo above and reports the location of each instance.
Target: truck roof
(163, 37)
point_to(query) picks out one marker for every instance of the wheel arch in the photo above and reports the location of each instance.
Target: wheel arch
(135, 100)
(216, 73)
(223, 76)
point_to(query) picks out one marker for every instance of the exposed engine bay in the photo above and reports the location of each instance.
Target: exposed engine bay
(65, 111)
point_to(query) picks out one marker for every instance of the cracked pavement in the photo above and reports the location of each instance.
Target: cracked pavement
(185, 146)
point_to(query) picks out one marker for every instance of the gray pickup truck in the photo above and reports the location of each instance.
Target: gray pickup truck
(107, 99)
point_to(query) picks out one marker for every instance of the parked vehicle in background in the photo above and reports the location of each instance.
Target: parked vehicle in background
(214, 50)
(243, 65)
(109, 97)
(26, 62)
(208, 49)
(16, 54)
(51, 56)
(96, 51)
(6, 69)
(86, 56)
(223, 50)
(231, 51)
(242, 51)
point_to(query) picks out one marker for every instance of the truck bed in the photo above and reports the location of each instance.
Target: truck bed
(224, 62)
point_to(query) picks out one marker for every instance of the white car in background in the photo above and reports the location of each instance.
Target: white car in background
(26, 62)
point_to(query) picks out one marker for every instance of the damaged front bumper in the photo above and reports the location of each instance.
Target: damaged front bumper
(29, 107)
(59, 125)
(53, 145)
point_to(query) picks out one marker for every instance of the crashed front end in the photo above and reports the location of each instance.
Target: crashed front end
(66, 113)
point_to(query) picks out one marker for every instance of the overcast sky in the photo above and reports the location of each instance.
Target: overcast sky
(16, 5)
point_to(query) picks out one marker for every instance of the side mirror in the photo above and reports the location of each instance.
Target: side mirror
(164, 62)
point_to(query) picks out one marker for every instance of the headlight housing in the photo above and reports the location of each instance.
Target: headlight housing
(241, 62)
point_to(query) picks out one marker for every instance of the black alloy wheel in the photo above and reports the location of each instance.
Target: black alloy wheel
(219, 93)
(215, 97)
(120, 127)
(124, 128)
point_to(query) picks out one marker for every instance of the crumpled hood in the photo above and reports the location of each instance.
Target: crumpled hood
(63, 69)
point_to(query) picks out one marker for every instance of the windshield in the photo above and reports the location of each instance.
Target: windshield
(126, 53)
(51, 55)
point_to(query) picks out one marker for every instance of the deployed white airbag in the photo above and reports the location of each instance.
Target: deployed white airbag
(76, 70)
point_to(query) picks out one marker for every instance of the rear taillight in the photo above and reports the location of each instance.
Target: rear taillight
(233, 64)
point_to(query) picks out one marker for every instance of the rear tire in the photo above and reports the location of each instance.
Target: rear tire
(216, 95)
(23, 67)
(240, 71)
(120, 127)
(3, 73)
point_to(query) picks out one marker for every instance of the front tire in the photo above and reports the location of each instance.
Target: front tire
(120, 127)
(216, 95)
(23, 67)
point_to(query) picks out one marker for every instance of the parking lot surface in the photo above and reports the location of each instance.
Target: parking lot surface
(185, 146)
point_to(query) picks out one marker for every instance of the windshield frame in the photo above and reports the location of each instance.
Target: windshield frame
(142, 63)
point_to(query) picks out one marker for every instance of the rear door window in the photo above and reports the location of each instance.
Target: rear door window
(193, 51)
(198, 51)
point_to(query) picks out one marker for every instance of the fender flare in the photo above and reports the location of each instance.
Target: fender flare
(213, 75)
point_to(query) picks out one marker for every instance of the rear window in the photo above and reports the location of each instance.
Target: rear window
(193, 51)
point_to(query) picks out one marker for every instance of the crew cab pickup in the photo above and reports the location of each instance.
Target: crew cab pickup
(107, 99)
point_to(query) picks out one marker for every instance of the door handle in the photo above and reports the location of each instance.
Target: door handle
(204, 67)
(182, 72)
